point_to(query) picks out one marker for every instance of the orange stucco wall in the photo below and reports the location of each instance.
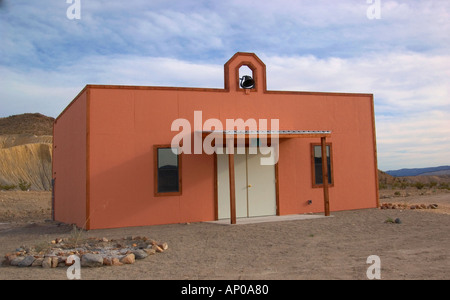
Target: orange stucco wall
(69, 163)
(126, 122)
(354, 165)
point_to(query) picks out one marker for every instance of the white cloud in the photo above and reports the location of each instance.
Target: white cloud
(412, 141)
(49, 92)
(39, 32)
(401, 82)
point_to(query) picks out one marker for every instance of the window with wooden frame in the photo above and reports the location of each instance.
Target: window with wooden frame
(167, 170)
(316, 165)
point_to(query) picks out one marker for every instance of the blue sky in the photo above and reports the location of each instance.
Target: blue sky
(403, 58)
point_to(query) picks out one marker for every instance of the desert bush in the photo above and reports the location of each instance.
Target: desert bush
(443, 185)
(395, 185)
(419, 185)
(77, 235)
(382, 186)
(389, 220)
(432, 184)
(24, 185)
(7, 187)
(43, 247)
(404, 185)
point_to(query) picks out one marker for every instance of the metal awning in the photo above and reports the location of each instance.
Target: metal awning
(268, 133)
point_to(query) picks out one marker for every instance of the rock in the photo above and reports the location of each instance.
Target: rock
(115, 262)
(55, 261)
(37, 262)
(8, 258)
(91, 260)
(140, 254)
(157, 248)
(107, 261)
(150, 251)
(164, 246)
(111, 261)
(62, 261)
(398, 221)
(27, 261)
(128, 259)
(104, 240)
(124, 251)
(47, 262)
(17, 260)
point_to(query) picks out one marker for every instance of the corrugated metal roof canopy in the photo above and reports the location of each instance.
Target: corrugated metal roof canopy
(279, 133)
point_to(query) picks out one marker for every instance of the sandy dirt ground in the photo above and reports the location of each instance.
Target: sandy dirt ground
(335, 247)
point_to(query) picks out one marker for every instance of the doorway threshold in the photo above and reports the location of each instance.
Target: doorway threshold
(266, 219)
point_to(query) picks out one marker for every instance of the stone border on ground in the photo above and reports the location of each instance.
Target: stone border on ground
(407, 206)
(93, 252)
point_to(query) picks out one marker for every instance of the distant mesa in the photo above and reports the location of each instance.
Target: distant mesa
(442, 170)
(29, 123)
(26, 151)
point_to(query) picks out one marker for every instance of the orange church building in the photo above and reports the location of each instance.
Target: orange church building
(147, 155)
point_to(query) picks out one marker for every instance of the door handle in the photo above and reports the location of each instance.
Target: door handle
(249, 185)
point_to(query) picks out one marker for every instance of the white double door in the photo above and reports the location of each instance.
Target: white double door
(254, 186)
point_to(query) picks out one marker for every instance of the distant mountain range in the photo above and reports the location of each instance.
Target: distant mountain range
(442, 170)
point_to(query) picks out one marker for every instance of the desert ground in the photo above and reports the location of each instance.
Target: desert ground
(335, 247)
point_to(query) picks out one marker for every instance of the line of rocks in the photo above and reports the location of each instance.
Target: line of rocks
(406, 206)
(93, 252)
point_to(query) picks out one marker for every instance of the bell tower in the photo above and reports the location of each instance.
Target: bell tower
(248, 83)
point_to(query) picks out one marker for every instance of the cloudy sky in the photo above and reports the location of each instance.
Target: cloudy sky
(397, 50)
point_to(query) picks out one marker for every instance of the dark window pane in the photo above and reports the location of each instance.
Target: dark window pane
(168, 180)
(318, 164)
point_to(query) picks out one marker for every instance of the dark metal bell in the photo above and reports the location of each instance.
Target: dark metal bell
(247, 82)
